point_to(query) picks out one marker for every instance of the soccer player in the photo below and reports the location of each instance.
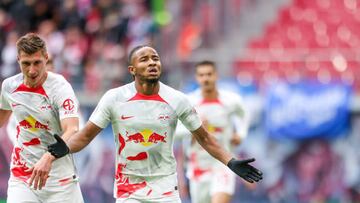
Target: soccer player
(144, 114)
(224, 116)
(43, 104)
(11, 128)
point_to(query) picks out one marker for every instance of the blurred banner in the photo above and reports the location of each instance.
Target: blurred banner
(307, 110)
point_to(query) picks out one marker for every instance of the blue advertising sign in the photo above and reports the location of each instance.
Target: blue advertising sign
(307, 110)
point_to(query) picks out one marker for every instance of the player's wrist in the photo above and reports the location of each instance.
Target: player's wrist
(49, 156)
(59, 148)
(230, 163)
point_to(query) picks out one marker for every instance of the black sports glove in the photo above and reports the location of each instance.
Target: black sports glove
(59, 148)
(243, 169)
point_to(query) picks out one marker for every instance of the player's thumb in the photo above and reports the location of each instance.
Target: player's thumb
(58, 138)
(29, 169)
(246, 161)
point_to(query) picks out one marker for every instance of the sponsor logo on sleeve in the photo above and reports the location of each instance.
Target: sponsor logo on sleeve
(68, 105)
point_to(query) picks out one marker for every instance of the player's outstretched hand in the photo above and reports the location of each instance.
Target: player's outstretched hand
(243, 169)
(59, 148)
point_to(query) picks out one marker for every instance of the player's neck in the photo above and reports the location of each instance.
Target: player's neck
(210, 94)
(147, 88)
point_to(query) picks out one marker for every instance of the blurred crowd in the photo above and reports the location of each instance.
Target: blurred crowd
(88, 41)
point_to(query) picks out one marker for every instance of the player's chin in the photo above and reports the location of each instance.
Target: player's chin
(153, 79)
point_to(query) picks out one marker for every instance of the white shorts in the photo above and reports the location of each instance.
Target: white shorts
(219, 180)
(157, 189)
(129, 200)
(19, 192)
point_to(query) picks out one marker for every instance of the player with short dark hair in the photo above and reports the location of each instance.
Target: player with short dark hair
(43, 104)
(144, 114)
(223, 115)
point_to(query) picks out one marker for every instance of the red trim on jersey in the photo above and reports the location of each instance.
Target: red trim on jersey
(154, 97)
(211, 101)
(24, 88)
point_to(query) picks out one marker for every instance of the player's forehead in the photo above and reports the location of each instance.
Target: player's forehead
(35, 56)
(205, 68)
(145, 51)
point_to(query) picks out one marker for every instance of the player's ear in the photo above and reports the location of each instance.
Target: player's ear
(131, 69)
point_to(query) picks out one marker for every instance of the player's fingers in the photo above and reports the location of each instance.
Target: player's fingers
(43, 180)
(254, 177)
(36, 182)
(248, 179)
(33, 174)
(29, 169)
(40, 181)
(58, 138)
(254, 170)
(259, 177)
(248, 160)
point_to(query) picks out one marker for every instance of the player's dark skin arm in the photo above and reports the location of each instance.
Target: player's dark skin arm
(82, 138)
(241, 167)
(4, 116)
(210, 144)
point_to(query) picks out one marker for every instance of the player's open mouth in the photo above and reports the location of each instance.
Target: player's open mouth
(153, 71)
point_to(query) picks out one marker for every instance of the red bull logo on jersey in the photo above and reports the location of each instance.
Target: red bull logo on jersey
(146, 137)
(211, 128)
(214, 129)
(32, 124)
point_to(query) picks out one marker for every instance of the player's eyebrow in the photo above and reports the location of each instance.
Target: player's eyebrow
(143, 57)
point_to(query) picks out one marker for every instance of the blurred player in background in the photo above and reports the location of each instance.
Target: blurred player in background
(224, 116)
(144, 115)
(43, 103)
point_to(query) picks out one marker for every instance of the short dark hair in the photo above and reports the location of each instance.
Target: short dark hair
(132, 52)
(206, 63)
(30, 44)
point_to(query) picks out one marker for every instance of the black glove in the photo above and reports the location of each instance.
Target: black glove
(59, 148)
(243, 169)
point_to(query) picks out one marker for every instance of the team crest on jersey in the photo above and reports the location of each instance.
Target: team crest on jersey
(164, 118)
(46, 107)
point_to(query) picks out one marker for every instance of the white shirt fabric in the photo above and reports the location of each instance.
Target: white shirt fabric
(222, 117)
(37, 113)
(143, 127)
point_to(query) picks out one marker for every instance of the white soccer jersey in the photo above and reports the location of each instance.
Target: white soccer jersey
(37, 112)
(143, 127)
(218, 117)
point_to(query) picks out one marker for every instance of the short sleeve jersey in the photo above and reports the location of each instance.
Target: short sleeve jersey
(217, 116)
(143, 126)
(37, 113)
